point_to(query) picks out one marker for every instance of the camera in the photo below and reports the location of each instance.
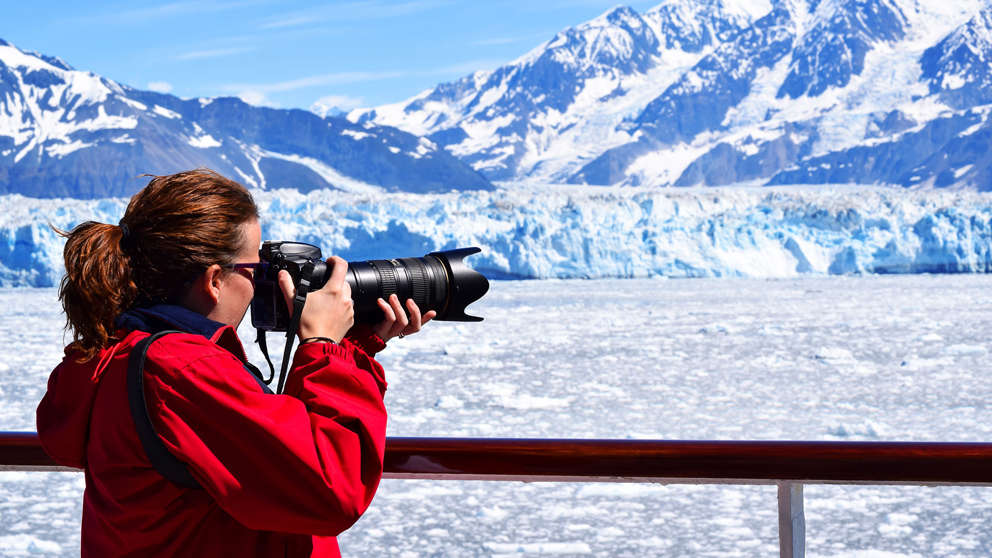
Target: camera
(438, 281)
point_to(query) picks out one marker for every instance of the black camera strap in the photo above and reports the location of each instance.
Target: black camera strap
(299, 300)
(264, 347)
(167, 464)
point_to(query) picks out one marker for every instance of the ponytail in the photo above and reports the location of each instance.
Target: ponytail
(172, 231)
(97, 286)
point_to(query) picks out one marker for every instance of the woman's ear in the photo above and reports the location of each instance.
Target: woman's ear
(204, 293)
(212, 279)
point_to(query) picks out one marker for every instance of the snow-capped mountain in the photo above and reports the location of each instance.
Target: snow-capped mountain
(717, 92)
(68, 133)
(566, 99)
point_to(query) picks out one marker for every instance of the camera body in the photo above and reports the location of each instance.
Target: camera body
(438, 281)
(268, 307)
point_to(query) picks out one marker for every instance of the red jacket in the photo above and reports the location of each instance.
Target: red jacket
(281, 475)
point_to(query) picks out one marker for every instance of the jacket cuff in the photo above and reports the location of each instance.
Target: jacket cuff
(316, 350)
(362, 336)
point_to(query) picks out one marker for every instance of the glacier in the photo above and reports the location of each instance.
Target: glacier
(555, 231)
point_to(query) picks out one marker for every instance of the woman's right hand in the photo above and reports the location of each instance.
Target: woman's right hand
(328, 312)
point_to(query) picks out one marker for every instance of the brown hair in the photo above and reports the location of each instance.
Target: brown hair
(172, 230)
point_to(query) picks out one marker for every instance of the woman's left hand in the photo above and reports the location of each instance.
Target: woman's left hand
(396, 323)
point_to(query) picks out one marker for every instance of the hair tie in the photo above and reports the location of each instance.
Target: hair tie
(125, 236)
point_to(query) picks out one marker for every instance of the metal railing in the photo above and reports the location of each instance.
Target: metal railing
(789, 465)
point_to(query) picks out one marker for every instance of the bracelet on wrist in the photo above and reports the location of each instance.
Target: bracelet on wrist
(318, 340)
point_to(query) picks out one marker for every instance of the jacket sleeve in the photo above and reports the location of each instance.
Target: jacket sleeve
(308, 461)
(63, 414)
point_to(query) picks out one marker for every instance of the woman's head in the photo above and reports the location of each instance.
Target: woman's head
(173, 230)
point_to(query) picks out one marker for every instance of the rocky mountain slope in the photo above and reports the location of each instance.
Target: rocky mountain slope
(712, 92)
(68, 133)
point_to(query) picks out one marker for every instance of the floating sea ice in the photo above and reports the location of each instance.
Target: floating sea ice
(861, 369)
(526, 401)
(765, 362)
(869, 430)
(873, 554)
(27, 545)
(962, 349)
(716, 328)
(914, 364)
(833, 354)
(449, 402)
(494, 514)
(609, 532)
(530, 549)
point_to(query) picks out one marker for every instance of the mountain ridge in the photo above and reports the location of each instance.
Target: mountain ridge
(761, 95)
(69, 133)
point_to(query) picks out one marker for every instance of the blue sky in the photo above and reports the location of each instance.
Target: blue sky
(292, 53)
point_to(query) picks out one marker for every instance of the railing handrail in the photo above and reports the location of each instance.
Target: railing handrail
(758, 462)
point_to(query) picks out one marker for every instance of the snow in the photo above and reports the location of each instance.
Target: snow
(162, 111)
(134, 104)
(203, 141)
(553, 145)
(973, 128)
(30, 124)
(424, 147)
(63, 149)
(329, 174)
(960, 171)
(85, 86)
(355, 134)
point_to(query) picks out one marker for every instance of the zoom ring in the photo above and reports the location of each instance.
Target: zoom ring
(387, 277)
(419, 283)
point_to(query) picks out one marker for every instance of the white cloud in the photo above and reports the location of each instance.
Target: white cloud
(214, 53)
(313, 81)
(341, 78)
(256, 98)
(335, 104)
(353, 11)
(160, 86)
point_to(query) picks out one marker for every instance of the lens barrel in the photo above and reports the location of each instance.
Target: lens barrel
(439, 281)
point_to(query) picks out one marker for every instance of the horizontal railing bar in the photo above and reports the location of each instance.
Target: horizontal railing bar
(646, 460)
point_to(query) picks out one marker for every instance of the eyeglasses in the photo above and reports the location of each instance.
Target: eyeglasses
(255, 267)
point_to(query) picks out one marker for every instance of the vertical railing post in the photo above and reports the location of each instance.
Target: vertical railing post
(791, 520)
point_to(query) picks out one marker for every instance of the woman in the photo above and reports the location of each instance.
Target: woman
(277, 475)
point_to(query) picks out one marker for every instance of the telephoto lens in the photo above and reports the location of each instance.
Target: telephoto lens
(438, 281)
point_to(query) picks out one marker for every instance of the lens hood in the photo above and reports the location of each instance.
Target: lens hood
(465, 284)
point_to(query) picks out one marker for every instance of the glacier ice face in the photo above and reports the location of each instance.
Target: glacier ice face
(587, 232)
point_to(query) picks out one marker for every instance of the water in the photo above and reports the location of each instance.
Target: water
(816, 358)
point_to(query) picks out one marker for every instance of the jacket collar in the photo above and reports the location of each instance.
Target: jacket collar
(160, 317)
(168, 316)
